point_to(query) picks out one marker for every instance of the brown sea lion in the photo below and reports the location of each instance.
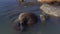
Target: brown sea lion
(26, 20)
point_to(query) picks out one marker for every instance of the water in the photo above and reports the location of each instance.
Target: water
(9, 11)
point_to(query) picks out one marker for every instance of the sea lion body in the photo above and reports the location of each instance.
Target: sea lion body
(27, 19)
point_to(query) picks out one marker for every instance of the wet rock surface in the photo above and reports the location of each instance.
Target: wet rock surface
(51, 9)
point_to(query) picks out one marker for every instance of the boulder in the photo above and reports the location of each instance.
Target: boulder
(51, 10)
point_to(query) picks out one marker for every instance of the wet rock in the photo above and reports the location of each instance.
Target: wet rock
(51, 10)
(42, 18)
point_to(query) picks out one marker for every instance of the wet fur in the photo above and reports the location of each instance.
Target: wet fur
(27, 19)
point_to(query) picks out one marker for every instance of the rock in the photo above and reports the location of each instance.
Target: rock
(42, 18)
(48, 1)
(51, 9)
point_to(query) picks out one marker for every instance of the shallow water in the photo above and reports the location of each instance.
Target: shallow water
(9, 11)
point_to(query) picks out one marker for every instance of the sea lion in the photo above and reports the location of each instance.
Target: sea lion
(26, 20)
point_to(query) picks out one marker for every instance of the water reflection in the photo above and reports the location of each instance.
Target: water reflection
(9, 11)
